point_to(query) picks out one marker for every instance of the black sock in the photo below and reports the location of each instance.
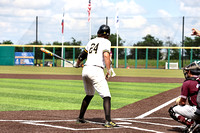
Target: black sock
(107, 107)
(85, 103)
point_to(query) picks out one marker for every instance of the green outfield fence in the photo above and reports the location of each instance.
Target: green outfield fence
(127, 62)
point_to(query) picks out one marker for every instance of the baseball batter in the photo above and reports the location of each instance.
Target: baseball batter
(97, 52)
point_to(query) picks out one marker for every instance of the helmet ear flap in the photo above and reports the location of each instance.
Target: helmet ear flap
(185, 72)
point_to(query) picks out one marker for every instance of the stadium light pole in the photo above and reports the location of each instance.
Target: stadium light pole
(117, 27)
(36, 41)
(183, 38)
(106, 20)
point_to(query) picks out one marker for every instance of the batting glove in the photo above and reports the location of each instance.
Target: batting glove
(76, 65)
(108, 73)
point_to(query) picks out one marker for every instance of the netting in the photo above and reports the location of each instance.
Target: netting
(131, 29)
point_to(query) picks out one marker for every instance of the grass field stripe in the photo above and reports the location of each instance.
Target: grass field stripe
(156, 109)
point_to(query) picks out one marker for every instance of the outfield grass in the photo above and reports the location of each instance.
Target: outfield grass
(77, 71)
(36, 94)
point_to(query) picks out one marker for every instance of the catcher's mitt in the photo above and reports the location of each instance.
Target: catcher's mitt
(178, 100)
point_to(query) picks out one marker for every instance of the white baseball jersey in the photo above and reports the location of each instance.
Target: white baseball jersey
(93, 74)
(96, 47)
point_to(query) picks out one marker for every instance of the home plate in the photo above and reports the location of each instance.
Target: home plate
(124, 123)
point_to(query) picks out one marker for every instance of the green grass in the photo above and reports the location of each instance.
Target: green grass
(77, 71)
(36, 94)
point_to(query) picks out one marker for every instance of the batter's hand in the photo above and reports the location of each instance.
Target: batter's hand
(108, 74)
(195, 32)
(76, 65)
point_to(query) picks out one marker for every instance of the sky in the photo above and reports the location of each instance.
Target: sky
(163, 19)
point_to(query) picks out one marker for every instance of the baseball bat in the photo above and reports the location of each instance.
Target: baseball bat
(52, 54)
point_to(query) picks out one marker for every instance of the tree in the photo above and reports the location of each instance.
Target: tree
(7, 42)
(174, 53)
(69, 51)
(189, 42)
(113, 40)
(148, 40)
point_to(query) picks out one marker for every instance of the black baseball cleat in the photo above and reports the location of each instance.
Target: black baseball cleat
(81, 120)
(110, 124)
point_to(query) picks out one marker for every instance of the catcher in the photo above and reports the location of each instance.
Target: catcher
(189, 114)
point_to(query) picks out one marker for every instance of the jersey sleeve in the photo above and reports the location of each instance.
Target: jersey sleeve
(107, 47)
(185, 90)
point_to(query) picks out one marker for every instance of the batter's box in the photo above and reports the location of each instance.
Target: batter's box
(68, 125)
(154, 121)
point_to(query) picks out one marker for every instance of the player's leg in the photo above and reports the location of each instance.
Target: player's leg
(101, 86)
(113, 73)
(85, 103)
(182, 114)
(107, 108)
(112, 70)
(90, 91)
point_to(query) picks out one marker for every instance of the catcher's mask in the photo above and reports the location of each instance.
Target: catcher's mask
(193, 68)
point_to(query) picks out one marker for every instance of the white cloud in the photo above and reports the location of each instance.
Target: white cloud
(75, 5)
(34, 4)
(191, 8)
(16, 16)
(31, 12)
(164, 13)
(160, 32)
(135, 22)
(190, 3)
(129, 7)
(4, 2)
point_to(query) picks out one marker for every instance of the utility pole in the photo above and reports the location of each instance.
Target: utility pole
(36, 41)
(183, 38)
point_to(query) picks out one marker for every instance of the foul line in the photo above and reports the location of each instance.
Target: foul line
(40, 123)
(155, 109)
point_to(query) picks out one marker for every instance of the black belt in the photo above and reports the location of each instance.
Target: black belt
(97, 66)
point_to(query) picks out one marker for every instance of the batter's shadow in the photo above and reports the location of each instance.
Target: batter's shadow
(176, 130)
(100, 120)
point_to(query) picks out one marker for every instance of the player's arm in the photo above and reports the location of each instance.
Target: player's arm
(82, 56)
(106, 56)
(195, 32)
(180, 101)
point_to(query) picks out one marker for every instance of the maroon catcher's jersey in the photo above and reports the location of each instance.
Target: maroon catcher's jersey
(189, 91)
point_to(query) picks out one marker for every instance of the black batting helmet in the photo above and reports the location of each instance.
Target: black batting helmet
(193, 67)
(104, 30)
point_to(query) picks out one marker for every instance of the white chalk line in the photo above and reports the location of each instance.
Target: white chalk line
(123, 124)
(81, 129)
(156, 109)
(125, 120)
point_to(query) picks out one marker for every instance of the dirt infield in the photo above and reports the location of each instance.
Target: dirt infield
(148, 115)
